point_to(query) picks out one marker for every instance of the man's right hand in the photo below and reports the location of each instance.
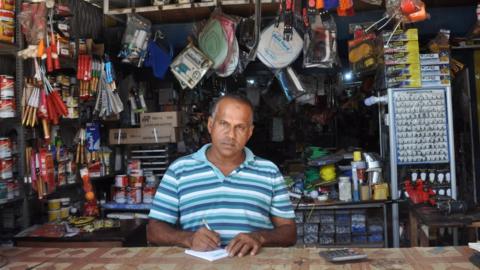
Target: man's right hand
(205, 240)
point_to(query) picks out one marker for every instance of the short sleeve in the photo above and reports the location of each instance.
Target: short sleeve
(281, 204)
(165, 203)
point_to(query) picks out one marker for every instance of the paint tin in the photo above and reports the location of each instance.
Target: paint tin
(7, 84)
(6, 165)
(64, 212)
(120, 195)
(7, 25)
(121, 181)
(54, 215)
(134, 195)
(135, 180)
(7, 5)
(7, 108)
(54, 204)
(5, 147)
(148, 194)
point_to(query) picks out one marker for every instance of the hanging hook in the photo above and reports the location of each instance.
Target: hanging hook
(375, 23)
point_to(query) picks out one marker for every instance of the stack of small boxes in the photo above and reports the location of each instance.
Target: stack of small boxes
(435, 69)
(327, 227)
(359, 226)
(337, 227)
(310, 227)
(402, 59)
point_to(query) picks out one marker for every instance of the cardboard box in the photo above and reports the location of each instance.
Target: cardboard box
(145, 135)
(159, 119)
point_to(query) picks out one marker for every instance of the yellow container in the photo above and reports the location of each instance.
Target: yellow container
(380, 191)
(64, 212)
(54, 215)
(54, 204)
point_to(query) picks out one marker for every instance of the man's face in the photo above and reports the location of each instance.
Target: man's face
(230, 128)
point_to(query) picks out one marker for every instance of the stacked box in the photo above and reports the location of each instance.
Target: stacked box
(326, 239)
(312, 217)
(375, 230)
(326, 216)
(310, 233)
(327, 227)
(342, 222)
(342, 227)
(402, 59)
(359, 218)
(342, 238)
(359, 239)
(435, 69)
(299, 216)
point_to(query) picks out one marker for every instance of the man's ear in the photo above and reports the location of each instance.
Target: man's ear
(251, 131)
(210, 124)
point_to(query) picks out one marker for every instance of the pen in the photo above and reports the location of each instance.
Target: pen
(206, 224)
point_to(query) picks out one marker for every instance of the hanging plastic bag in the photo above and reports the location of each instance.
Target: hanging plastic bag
(135, 40)
(290, 83)
(320, 47)
(217, 40)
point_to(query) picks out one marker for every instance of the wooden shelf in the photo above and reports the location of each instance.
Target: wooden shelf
(188, 12)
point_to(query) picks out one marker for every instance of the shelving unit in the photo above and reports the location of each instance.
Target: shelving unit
(14, 124)
(313, 218)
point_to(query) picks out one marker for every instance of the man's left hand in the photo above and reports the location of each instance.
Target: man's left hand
(245, 243)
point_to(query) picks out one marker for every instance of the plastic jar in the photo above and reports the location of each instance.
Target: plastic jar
(345, 188)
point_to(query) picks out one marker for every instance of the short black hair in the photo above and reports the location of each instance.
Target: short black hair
(237, 97)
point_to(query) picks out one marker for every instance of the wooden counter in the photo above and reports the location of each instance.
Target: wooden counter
(269, 258)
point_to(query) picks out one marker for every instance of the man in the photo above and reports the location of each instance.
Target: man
(223, 194)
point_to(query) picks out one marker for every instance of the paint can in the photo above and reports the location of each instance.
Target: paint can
(6, 168)
(7, 26)
(120, 195)
(134, 195)
(7, 89)
(148, 194)
(7, 108)
(5, 147)
(54, 215)
(7, 5)
(121, 181)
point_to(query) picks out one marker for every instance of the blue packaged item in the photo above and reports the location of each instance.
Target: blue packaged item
(158, 58)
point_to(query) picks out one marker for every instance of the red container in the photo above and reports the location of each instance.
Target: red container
(6, 166)
(5, 147)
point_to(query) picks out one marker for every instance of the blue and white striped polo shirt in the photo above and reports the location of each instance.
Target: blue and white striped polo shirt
(193, 189)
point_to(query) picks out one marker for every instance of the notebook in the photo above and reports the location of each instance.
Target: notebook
(208, 255)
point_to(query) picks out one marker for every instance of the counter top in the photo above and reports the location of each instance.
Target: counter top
(268, 258)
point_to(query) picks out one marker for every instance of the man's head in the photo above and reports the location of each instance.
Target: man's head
(230, 125)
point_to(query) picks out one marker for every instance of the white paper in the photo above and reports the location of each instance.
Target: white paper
(208, 255)
(474, 246)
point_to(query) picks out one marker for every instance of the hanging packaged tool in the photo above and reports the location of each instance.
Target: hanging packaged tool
(108, 102)
(135, 40)
(249, 37)
(159, 55)
(362, 52)
(190, 66)
(286, 16)
(274, 51)
(320, 48)
(290, 83)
